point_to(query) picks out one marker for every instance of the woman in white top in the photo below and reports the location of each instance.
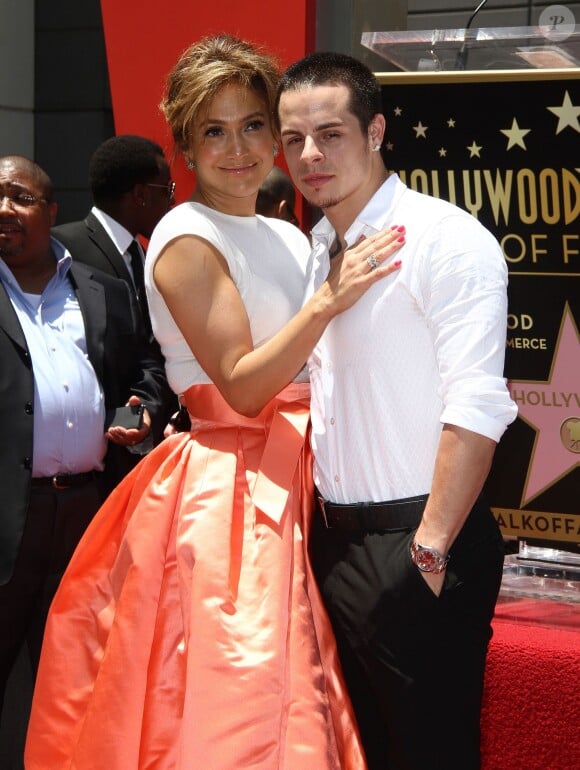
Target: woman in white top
(188, 632)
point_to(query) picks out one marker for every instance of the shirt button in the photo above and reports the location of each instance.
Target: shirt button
(337, 478)
(332, 420)
(65, 386)
(28, 408)
(70, 424)
(27, 462)
(329, 366)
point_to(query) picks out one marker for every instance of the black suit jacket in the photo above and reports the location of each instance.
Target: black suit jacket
(88, 242)
(125, 363)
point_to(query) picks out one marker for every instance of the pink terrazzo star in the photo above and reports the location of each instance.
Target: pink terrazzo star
(552, 408)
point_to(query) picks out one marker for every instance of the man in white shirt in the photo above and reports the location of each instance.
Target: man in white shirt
(408, 403)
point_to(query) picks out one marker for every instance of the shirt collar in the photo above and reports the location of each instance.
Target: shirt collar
(62, 256)
(120, 236)
(63, 263)
(373, 218)
(322, 232)
(376, 214)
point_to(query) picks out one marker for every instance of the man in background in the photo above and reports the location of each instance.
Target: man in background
(72, 347)
(277, 197)
(408, 402)
(131, 188)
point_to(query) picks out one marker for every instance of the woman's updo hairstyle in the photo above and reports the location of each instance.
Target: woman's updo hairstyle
(203, 69)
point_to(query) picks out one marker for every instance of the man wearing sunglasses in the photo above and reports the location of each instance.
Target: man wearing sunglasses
(131, 188)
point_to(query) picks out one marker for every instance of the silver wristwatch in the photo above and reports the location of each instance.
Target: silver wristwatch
(427, 559)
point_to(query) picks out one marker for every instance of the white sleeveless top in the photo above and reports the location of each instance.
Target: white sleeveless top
(268, 261)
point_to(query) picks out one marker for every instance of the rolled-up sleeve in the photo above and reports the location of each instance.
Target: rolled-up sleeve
(465, 296)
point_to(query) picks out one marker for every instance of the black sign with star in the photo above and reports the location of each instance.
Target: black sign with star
(506, 148)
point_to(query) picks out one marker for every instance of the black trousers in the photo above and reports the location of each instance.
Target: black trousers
(55, 523)
(413, 662)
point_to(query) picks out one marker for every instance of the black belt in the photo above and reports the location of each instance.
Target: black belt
(395, 514)
(64, 480)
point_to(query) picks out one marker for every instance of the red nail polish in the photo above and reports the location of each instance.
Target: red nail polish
(401, 229)
(398, 263)
(394, 227)
(401, 239)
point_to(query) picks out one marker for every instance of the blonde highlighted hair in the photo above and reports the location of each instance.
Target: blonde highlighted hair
(203, 69)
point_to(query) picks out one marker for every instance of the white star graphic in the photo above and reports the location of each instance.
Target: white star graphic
(451, 123)
(474, 150)
(567, 114)
(398, 111)
(515, 134)
(442, 152)
(389, 145)
(420, 130)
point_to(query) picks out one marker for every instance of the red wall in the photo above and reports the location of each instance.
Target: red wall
(145, 37)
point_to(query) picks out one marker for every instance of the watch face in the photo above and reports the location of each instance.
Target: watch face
(427, 559)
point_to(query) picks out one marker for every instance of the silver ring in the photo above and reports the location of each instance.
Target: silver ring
(372, 262)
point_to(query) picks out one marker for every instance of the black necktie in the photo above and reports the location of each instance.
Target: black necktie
(139, 280)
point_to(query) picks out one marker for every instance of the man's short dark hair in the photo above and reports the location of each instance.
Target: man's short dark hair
(121, 162)
(329, 68)
(276, 187)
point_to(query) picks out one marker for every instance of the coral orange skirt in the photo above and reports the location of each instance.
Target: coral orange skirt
(188, 633)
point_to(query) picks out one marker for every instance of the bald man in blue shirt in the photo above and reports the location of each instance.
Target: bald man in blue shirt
(72, 347)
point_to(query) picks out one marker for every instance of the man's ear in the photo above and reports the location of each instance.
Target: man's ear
(139, 194)
(377, 128)
(52, 211)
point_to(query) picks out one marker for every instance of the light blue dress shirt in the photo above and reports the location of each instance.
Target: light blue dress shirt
(69, 408)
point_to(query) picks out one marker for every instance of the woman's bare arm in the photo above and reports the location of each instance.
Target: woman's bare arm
(194, 280)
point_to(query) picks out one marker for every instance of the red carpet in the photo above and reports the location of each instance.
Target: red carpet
(531, 709)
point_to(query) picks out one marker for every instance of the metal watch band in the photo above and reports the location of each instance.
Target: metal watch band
(428, 559)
